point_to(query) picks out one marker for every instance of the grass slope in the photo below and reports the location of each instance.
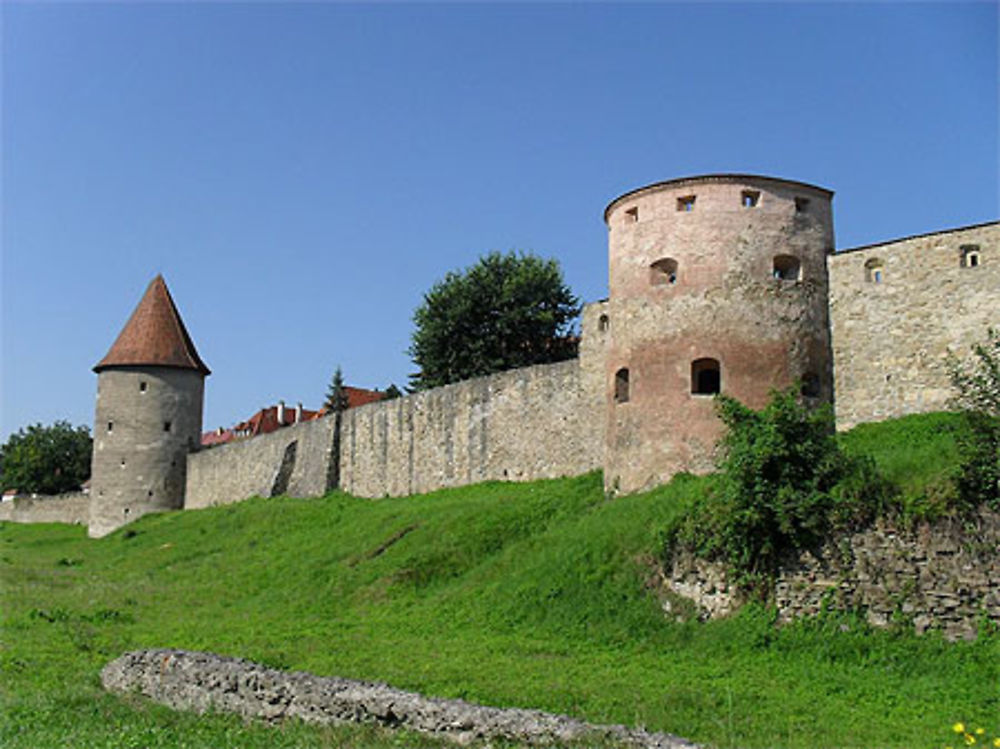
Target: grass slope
(526, 595)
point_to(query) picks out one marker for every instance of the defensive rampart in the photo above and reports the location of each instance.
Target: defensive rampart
(72, 508)
(293, 461)
(897, 309)
(536, 422)
(530, 423)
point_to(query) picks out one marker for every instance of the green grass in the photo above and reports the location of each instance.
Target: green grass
(528, 595)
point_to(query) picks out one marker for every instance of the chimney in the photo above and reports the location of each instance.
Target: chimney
(281, 413)
(298, 412)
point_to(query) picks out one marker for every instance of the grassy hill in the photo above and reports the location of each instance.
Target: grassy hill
(527, 595)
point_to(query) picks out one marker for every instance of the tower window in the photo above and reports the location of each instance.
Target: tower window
(786, 268)
(166, 426)
(631, 215)
(706, 377)
(111, 426)
(142, 387)
(801, 205)
(970, 255)
(663, 272)
(810, 385)
(621, 386)
(603, 323)
(685, 204)
(750, 198)
(874, 269)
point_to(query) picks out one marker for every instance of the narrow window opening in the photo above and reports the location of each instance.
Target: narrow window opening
(874, 270)
(631, 215)
(706, 377)
(126, 511)
(621, 386)
(603, 323)
(786, 268)
(123, 462)
(810, 385)
(111, 426)
(750, 198)
(663, 272)
(801, 205)
(149, 493)
(970, 255)
(166, 426)
(142, 387)
(685, 204)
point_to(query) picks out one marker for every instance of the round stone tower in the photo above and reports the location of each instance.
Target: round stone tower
(150, 388)
(717, 284)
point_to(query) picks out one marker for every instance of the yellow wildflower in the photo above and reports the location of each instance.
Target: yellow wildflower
(958, 728)
(980, 731)
(996, 743)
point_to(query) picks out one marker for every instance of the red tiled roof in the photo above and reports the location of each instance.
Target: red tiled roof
(154, 335)
(266, 421)
(358, 397)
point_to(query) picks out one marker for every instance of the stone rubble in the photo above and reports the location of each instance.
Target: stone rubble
(200, 682)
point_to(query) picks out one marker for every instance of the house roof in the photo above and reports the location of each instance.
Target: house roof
(154, 336)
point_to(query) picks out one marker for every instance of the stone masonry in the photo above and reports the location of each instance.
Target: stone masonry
(899, 309)
(943, 576)
(201, 682)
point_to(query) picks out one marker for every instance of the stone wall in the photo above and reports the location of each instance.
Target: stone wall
(530, 423)
(202, 681)
(294, 460)
(70, 508)
(897, 309)
(524, 424)
(944, 576)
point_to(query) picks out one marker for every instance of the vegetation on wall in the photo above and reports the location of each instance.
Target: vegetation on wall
(977, 383)
(508, 310)
(784, 484)
(46, 459)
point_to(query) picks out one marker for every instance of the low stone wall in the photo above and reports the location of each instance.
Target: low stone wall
(293, 461)
(201, 682)
(944, 576)
(536, 422)
(72, 508)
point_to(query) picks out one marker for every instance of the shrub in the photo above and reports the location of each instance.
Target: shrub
(785, 484)
(977, 385)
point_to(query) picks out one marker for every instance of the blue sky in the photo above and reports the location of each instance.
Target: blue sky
(302, 173)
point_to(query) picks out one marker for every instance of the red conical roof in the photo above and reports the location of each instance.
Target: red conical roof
(154, 336)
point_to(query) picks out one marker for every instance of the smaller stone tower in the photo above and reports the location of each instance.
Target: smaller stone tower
(150, 388)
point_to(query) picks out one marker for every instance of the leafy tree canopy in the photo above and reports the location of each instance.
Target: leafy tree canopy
(508, 310)
(46, 459)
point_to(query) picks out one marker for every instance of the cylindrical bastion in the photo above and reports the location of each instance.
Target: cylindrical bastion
(717, 283)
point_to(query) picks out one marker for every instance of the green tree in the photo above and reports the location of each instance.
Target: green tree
(508, 310)
(392, 392)
(784, 484)
(336, 395)
(46, 459)
(977, 384)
